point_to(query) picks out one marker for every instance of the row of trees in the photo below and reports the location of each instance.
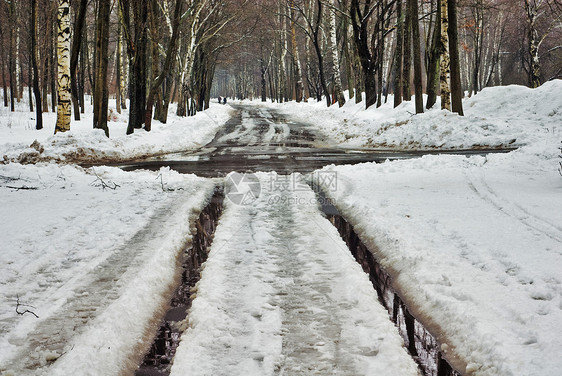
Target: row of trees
(150, 52)
(318, 48)
(155, 52)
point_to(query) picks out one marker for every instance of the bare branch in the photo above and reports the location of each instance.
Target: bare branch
(18, 305)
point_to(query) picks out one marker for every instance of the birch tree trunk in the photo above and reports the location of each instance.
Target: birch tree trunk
(118, 87)
(533, 40)
(53, 69)
(283, 65)
(63, 53)
(296, 59)
(338, 91)
(19, 80)
(445, 64)
(187, 69)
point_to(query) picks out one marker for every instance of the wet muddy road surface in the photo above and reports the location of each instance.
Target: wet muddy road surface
(261, 139)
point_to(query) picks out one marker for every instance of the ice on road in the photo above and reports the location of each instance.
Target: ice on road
(281, 294)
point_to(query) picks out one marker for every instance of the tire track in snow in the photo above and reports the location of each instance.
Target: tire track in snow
(511, 209)
(94, 292)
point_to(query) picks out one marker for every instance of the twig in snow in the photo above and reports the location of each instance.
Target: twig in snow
(164, 189)
(25, 187)
(18, 305)
(103, 184)
(8, 178)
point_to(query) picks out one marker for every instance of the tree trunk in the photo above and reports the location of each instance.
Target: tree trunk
(398, 54)
(368, 63)
(30, 76)
(118, 92)
(4, 84)
(34, 58)
(82, 73)
(102, 57)
(533, 40)
(445, 62)
(63, 53)
(171, 53)
(338, 90)
(406, 68)
(434, 60)
(456, 87)
(137, 62)
(53, 70)
(417, 55)
(296, 60)
(12, 57)
(19, 78)
(75, 53)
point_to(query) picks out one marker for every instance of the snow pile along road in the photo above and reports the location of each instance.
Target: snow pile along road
(281, 294)
(474, 246)
(509, 116)
(94, 264)
(20, 142)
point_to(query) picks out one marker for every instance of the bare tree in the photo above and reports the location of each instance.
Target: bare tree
(100, 88)
(456, 88)
(77, 38)
(34, 58)
(414, 14)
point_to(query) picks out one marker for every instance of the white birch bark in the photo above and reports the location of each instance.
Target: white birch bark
(282, 66)
(63, 54)
(335, 56)
(445, 64)
(19, 81)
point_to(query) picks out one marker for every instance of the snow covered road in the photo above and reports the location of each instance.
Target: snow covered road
(281, 294)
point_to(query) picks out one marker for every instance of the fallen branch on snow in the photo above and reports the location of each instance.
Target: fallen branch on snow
(164, 189)
(18, 305)
(102, 183)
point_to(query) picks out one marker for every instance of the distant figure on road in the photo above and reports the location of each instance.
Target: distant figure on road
(220, 100)
(224, 100)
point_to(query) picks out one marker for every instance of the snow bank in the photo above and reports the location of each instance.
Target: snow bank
(93, 263)
(474, 246)
(509, 116)
(20, 142)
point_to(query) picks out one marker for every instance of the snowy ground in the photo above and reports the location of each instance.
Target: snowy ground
(509, 116)
(84, 144)
(92, 264)
(474, 245)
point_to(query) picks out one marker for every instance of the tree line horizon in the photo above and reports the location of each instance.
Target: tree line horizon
(156, 52)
